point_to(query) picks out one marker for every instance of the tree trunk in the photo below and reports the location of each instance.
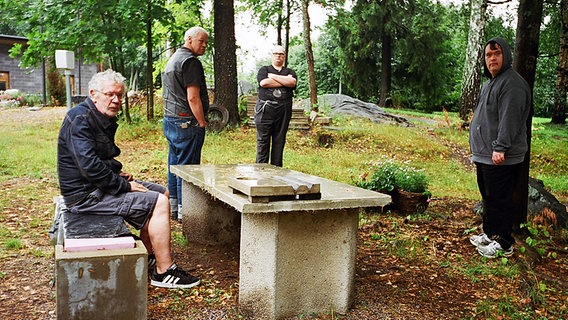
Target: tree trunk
(526, 51)
(149, 66)
(559, 115)
(386, 64)
(473, 59)
(309, 56)
(225, 59)
(279, 23)
(287, 39)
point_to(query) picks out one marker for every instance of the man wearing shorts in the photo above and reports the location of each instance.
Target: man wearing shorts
(91, 180)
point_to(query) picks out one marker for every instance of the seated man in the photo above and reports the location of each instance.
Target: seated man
(91, 180)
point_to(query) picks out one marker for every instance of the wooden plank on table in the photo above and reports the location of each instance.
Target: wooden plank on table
(276, 188)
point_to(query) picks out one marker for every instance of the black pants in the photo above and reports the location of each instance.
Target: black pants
(496, 185)
(271, 119)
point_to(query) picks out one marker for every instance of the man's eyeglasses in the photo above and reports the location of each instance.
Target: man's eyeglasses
(111, 95)
(279, 54)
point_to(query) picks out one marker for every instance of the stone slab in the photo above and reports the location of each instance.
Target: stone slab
(213, 179)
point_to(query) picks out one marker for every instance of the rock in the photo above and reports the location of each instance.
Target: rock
(540, 198)
(542, 208)
(342, 104)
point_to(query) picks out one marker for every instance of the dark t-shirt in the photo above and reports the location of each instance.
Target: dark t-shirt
(275, 94)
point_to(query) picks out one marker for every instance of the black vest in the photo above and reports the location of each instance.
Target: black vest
(175, 93)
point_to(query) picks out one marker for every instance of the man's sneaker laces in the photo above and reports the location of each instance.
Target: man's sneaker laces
(480, 240)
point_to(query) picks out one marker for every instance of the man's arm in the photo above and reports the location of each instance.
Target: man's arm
(275, 81)
(196, 105)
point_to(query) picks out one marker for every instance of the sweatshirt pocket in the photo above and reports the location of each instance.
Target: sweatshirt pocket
(477, 142)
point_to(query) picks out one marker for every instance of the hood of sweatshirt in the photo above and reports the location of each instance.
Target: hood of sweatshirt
(507, 56)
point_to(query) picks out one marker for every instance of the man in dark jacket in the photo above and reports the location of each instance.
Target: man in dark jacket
(91, 180)
(498, 143)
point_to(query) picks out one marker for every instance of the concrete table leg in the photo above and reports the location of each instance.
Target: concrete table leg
(207, 220)
(297, 262)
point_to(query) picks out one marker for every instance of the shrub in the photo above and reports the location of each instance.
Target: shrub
(388, 176)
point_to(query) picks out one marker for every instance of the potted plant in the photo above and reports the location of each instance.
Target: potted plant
(407, 185)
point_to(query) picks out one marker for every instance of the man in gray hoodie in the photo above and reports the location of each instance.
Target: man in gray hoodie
(498, 143)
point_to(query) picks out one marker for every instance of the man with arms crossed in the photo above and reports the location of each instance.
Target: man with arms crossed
(273, 110)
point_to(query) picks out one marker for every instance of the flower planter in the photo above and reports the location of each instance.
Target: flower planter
(409, 202)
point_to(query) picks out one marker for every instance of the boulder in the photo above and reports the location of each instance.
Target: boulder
(542, 208)
(346, 105)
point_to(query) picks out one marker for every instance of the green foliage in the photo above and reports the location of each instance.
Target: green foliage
(388, 176)
(15, 100)
(13, 244)
(56, 88)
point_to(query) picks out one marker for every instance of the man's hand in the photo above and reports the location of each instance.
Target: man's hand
(126, 176)
(498, 157)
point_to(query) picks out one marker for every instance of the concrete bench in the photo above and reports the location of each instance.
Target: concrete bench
(104, 277)
(297, 254)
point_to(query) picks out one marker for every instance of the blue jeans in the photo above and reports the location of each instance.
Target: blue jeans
(185, 140)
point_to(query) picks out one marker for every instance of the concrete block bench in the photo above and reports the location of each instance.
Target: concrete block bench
(297, 254)
(104, 277)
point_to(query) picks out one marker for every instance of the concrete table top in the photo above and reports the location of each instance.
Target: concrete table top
(213, 178)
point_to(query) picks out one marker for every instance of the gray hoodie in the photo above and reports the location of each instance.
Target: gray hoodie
(499, 120)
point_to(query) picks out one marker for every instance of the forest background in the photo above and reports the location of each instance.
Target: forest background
(409, 54)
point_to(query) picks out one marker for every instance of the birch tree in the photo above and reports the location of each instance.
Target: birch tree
(473, 59)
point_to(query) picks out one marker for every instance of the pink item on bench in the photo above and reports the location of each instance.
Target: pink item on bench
(90, 244)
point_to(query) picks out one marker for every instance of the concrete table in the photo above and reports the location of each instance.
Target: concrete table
(296, 256)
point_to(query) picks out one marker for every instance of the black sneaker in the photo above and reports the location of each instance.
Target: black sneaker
(151, 262)
(174, 277)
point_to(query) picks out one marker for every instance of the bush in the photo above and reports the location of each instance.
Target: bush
(388, 176)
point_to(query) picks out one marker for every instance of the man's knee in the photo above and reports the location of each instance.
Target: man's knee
(162, 205)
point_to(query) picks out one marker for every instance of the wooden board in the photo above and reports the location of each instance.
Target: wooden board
(275, 188)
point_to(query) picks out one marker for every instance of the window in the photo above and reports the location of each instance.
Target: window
(4, 80)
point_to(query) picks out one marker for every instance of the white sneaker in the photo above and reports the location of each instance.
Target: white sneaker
(479, 240)
(493, 250)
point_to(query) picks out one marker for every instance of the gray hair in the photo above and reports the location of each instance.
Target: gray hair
(194, 32)
(278, 48)
(98, 81)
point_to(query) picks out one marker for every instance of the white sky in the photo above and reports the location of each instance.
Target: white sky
(255, 44)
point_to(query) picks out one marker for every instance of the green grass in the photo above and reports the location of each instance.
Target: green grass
(30, 151)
